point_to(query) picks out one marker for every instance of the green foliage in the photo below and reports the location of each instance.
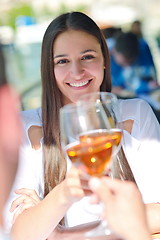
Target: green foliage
(8, 17)
(19, 9)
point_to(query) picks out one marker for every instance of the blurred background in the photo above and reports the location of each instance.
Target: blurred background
(23, 23)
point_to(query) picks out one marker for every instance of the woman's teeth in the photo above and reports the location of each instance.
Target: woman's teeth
(78, 84)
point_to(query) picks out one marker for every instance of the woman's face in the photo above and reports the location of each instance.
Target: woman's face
(78, 64)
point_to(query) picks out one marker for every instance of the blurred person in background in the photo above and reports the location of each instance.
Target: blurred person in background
(132, 66)
(10, 139)
(136, 28)
(110, 34)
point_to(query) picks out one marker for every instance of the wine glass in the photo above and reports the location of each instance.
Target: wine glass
(107, 102)
(90, 136)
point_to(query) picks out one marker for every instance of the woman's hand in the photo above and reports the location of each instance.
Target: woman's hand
(74, 187)
(27, 199)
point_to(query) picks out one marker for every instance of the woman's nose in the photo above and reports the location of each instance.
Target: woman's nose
(77, 70)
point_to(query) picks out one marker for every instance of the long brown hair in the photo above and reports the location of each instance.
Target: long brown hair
(55, 164)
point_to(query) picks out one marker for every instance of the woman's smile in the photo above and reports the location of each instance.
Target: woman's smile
(79, 85)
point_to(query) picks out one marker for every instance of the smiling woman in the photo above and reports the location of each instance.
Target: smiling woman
(75, 61)
(78, 64)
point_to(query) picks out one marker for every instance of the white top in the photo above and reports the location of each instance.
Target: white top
(142, 149)
(4, 236)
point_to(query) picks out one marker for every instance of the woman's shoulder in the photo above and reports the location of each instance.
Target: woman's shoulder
(32, 122)
(134, 102)
(134, 108)
(32, 117)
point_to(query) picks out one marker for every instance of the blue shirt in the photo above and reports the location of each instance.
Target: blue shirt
(136, 77)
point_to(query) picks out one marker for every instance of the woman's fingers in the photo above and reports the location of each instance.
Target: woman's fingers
(18, 201)
(27, 199)
(27, 195)
(23, 199)
(29, 192)
(22, 208)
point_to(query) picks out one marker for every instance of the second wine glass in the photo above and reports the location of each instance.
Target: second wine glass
(107, 103)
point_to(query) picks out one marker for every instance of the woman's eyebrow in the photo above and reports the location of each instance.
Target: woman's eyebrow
(60, 55)
(88, 50)
(65, 55)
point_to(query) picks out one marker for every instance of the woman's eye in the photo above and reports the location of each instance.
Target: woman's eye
(87, 57)
(62, 61)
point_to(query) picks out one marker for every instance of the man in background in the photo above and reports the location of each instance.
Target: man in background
(132, 66)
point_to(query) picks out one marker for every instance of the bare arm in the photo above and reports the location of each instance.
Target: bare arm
(28, 198)
(38, 222)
